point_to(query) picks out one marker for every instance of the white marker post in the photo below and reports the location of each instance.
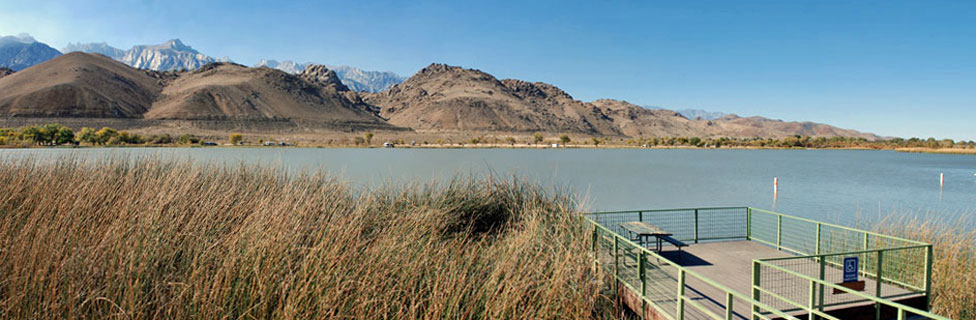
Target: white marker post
(941, 179)
(775, 185)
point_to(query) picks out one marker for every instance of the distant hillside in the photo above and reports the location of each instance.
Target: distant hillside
(355, 78)
(81, 85)
(225, 91)
(448, 98)
(78, 85)
(637, 121)
(22, 51)
(640, 121)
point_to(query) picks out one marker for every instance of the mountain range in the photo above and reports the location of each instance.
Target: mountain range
(174, 82)
(22, 51)
(174, 55)
(448, 98)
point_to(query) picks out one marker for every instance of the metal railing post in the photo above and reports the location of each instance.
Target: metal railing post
(823, 273)
(928, 277)
(877, 285)
(818, 239)
(879, 268)
(616, 268)
(640, 216)
(779, 233)
(749, 223)
(643, 278)
(596, 235)
(696, 225)
(729, 310)
(864, 266)
(681, 294)
(812, 300)
(755, 288)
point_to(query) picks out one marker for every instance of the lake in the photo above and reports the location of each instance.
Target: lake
(844, 186)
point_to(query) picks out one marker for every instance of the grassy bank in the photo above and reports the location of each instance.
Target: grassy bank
(938, 150)
(150, 239)
(954, 267)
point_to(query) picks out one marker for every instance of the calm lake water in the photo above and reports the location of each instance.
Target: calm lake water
(844, 186)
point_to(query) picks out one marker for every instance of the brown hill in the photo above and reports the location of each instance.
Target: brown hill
(449, 98)
(78, 85)
(225, 91)
(638, 121)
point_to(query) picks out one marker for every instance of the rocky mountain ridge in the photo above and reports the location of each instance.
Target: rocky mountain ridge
(449, 98)
(23, 51)
(355, 78)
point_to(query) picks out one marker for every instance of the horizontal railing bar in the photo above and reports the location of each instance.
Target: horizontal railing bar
(846, 253)
(854, 292)
(835, 226)
(664, 210)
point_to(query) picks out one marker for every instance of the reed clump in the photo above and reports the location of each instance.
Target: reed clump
(150, 239)
(954, 263)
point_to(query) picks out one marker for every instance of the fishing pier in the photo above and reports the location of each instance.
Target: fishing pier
(749, 263)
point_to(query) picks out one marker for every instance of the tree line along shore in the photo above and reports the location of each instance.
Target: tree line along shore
(60, 135)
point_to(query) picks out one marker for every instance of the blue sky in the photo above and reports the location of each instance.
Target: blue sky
(900, 68)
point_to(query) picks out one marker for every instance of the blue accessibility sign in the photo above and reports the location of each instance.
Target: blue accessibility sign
(850, 269)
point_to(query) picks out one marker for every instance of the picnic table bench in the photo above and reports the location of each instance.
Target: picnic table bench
(641, 230)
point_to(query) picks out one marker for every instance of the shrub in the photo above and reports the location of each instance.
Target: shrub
(235, 138)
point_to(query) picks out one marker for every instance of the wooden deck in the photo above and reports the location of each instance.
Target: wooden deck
(730, 264)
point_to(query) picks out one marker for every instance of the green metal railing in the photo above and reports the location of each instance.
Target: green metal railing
(662, 284)
(815, 289)
(901, 267)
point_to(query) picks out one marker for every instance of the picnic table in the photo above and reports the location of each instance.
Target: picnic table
(642, 230)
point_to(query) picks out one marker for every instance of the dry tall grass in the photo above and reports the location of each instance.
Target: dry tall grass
(155, 239)
(954, 267)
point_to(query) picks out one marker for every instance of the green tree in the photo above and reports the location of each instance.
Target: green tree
(538, 137)
(188, 139)
(236, 138)
(33, 134)
(105, 134)
(87, 135)
(369, 138)
(596, 142)
(64, 135)
(564, 139)
(510, 141)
